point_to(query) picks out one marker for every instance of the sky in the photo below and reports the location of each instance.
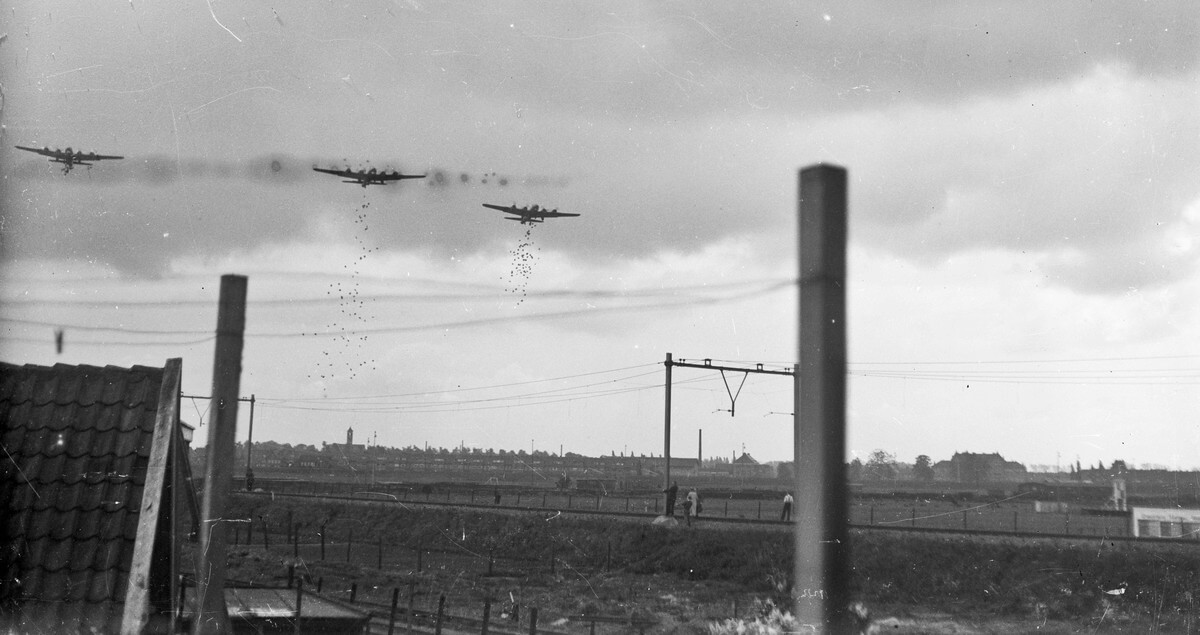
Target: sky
(1024, 217)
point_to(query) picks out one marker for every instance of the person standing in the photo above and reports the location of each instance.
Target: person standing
(687, 510)
(693, 505)
(671, 493)
(787, 507)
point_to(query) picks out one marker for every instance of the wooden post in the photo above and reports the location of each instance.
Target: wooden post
(437, 625)
(487, 612)
(291, 575)
(533, 621)
(821, 534)
(392, 615)
(412, 591)
(299, 600)
(872, 515)
(353, 591)
(543, 499)
(320, 581)
(760, 509)
(212, 616)
(597, 502)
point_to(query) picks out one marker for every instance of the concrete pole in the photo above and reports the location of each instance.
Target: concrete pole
(822, 553)
(218, 468)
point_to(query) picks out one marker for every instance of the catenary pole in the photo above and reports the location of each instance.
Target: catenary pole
(218, 469)
(821, 589)
(667, 431)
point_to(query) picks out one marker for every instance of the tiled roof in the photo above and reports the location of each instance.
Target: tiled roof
(76, 443)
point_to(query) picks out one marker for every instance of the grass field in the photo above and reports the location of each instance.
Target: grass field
(687, 578)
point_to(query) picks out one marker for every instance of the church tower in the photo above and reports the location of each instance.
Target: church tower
(349, 437)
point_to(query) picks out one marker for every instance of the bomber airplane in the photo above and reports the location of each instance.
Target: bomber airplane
(368, 177)
(529, 215)
(68, 157)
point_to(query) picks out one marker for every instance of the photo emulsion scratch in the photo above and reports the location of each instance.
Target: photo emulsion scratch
(479, 300)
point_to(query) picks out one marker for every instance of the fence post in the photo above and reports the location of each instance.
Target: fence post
(437, 625)
(353, 591)
(543, 499)
(349, 542)
(655, 504)
(872, 515)
(392, 615)
(320, 582)
(266, 538)
(726, 508)
(299, 599)
(291, 575)
(412, 591)
(760, 510)
(518, 498)
(487, 612)
(913, 521)
(533, 621)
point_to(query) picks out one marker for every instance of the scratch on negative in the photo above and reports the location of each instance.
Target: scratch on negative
(214, 17)
(18, 466)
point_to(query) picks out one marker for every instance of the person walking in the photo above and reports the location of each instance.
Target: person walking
(787, 507)
(671, 493)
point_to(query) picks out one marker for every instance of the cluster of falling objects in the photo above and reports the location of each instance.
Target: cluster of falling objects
(352, 313)
(523, 257)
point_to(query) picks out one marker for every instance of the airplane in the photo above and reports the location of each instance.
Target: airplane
(68, 157)
(529, 215)
(368, 177)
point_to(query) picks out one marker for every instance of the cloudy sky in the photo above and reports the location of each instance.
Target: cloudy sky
(1024, 216)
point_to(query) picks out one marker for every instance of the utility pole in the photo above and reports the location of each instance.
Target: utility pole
(821, 535)
(211, 616)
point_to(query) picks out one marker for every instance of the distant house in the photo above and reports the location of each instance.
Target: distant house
(978, 469)
(93, 488)
(745, 466)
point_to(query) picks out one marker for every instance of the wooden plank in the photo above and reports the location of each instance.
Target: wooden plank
(137, 611)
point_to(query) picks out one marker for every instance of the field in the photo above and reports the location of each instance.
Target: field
(685, 579)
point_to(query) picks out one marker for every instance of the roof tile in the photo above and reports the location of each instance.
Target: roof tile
(77, 440)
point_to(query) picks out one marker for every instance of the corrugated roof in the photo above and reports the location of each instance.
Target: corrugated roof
(76, 443)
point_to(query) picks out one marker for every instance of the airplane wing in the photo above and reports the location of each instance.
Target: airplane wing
(557, 214)
(396, 176)
(91, 156)
(342, 173)
(507, 209)
(41, 151)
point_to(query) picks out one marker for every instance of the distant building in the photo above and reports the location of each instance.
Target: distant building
(978, 469)
(745, 466)
(349, 449)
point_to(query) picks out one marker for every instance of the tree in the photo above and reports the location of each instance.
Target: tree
(881, 466)
(923, 468)
(854, 471)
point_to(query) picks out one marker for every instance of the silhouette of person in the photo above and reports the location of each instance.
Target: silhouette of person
(671, 493)
(787, 507)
